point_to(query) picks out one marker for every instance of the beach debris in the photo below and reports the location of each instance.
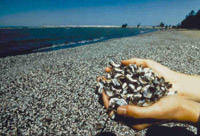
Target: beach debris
(132, 85)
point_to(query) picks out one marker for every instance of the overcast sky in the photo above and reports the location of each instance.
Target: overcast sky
(94, 12)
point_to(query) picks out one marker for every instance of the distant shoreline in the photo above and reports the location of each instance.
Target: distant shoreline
(23, 41)
(78, 26)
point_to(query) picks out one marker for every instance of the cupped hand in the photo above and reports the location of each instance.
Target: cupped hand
(162, 71)
(167, 109)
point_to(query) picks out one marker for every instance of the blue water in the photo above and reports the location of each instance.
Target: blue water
(16, 41)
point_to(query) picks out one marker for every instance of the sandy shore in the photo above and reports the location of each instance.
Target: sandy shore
(53, 92)
(192, 33)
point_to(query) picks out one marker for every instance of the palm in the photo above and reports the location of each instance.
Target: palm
(142, 117)
(160, 70)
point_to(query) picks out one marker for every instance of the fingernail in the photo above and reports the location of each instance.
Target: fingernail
(121, 111)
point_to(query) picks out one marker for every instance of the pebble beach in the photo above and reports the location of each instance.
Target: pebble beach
(53, 93)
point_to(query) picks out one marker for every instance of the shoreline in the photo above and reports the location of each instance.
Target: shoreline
(16, 49)
(53, 92)
(66, 26)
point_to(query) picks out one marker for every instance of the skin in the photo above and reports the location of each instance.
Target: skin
(183, 107)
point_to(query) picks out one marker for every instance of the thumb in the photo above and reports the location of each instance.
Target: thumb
(137, 112)
(127, 62)
(136, 61)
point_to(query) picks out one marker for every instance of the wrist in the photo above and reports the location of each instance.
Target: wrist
(189, 111)
(189, 86)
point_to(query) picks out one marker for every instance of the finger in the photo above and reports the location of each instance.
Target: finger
(139, 112)
(136, 61)
(100, 77)
(141, 126)
(106, 103)
(105, 100)
(137, 124)
(108, 69)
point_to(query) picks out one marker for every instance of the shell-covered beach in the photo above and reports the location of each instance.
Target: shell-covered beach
(54, 92)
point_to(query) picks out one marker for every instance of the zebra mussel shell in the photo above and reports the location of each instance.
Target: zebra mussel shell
(132, 84)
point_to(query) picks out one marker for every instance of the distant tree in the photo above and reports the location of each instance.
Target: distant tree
(192, 20)
(198, 14)
(162, 24)
(138, 25)
(192, 13)
(174, 26)
(198, 19)
(178, 25)
(124, 25)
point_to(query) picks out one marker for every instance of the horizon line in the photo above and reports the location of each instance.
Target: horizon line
(54, 26)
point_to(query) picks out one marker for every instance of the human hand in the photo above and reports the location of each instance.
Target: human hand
(169, 108)
(179, 81)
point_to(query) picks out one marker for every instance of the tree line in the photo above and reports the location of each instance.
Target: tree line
(191, 21)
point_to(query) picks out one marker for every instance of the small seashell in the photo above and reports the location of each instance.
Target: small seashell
(112, 63)
(121, 102)
(146, 70)
(149, 76)
(124, 85)
(156, 82)
(113, 116)
(108, 81)
(109, 93)
(141, 102)
(112, 103)
(162, 80)
(115, 90)
(100, 87)
(137, 96)
(130, 79)
(158, 93)
(132, 87)
(118, 70)
(145, 87)
(142, 81)
(108, 76)
(147, 94)
(133, 84)
(130, 95)
(162, 88)
(139, 88)
(124, 91)
(168, 85)
(118, 75)
(115, 82)
(172, 93)
(139, 70)
(132, 67)
(147, 104)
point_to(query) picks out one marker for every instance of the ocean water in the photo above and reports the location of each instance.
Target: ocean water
(15, 41)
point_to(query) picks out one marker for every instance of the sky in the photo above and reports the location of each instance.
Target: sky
(94, 12)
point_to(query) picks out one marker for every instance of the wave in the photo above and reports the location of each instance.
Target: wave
(22, 41)
(70, 44)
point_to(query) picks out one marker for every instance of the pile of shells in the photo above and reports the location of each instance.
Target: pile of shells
(132, 84)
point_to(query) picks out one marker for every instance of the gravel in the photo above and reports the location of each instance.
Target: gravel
(53, 92)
